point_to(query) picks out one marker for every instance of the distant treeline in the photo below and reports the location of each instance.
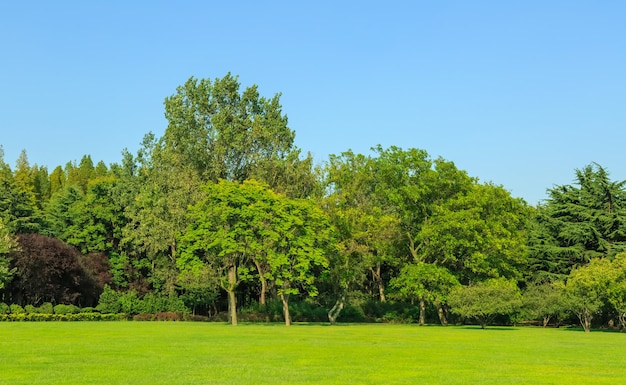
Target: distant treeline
(225, 212)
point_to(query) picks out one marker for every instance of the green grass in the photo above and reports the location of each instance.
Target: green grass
(208, 353)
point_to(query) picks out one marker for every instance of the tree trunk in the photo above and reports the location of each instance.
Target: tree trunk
(333, 313)
(422, 312)
(546, 320)
(441, 313)
(379, 282)
(232, 299)
(285, 302)
(585, 317)
(263, 283)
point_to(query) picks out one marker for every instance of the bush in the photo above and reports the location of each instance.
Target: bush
(4, 308)
(167, 316)
(17, 309)
(65, 309)
(143, 317)
(46, 308)
(109, 301)
(30, 309)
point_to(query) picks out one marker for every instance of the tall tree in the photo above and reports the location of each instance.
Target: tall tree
(367, 228)
(17, 201)
(223, 133)
(578, 223)
(478, 235)
(7, 245)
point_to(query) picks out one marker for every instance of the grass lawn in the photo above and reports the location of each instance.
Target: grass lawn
(210, 353)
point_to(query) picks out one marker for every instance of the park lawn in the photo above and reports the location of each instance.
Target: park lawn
(212, 353)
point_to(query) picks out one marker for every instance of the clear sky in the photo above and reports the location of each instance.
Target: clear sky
(519, 93)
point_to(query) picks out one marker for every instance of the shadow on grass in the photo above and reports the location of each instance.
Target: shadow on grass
(581, 330)
(496, 328)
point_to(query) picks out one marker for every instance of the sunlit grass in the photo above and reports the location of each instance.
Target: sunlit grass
(209, 353)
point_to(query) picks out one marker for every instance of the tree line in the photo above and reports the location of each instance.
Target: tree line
(224, 211)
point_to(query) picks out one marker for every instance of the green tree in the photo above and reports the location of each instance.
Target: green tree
(7, 245)
(223, 133)
(18, 205)
(546, 301)
(57, 180)
(302, 235)
(413, 184)
(587, 289)
(236, 225)
(477, 235)
(485, 300)
(616, 292)
(579, 223)
(426, 283)
(367, 228)
(218, 235)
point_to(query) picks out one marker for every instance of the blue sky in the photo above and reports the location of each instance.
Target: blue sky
(517, 93)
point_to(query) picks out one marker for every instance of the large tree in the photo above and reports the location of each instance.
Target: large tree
(578, 223)
(237, 228)
(368, 228)
(7, 244)
(477, 235)
(225, 133)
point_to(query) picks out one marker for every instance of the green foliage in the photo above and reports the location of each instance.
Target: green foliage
(109, 301)
(579, 223)
(588, 287)
(17, 309)
(113, 302)
(546, 301)
(486, 300)
(45, 308)
(478, 235)
(66, 309)
(224, 133)
(4, 308)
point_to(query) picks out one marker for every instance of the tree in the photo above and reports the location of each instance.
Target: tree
(367, 229)
(546, 300)
(579, 223)
(7, 245)
(235, 224)
(303, 235)
(413, 184)
(18, 205)
(47, 270)
(219, 235)
(477, 235)
(485, 300)
(426, 283)
(223, 133)
(587, 289)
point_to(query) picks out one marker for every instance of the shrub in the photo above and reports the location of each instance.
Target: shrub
(17, 309)
(4, 308)
(65, 309)
(109, 301)
(30, 309)
(167, 316)
(46, 308)
(143, 317)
